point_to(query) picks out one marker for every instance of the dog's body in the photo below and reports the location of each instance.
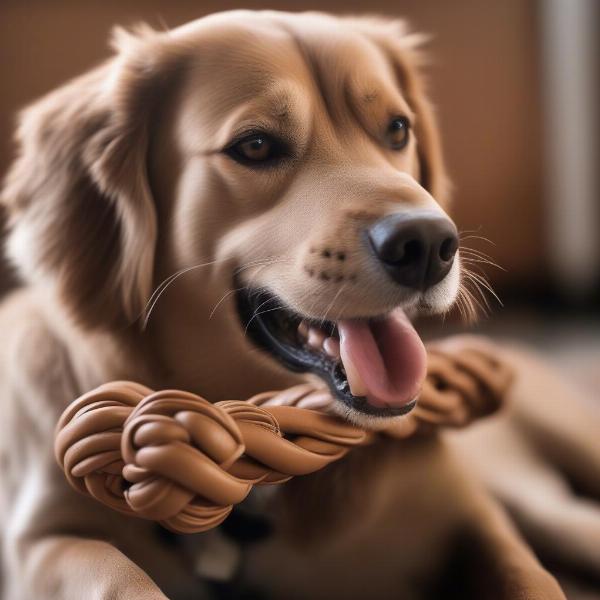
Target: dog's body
(140, 169)
(397, 540)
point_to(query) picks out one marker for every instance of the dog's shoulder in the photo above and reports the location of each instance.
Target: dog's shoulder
(37, 378)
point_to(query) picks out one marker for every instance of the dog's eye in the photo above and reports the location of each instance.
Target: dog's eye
(256, 149)
(398, 133)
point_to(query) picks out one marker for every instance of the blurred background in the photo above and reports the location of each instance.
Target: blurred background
(517, 86)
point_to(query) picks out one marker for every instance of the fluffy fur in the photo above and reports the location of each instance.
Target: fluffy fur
(120, 183)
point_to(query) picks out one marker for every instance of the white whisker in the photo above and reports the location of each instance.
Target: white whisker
(161, 288)
(165, 284)
(257, 313)
(477, 237)
(223, 298)
(324, 318)
(229, 292)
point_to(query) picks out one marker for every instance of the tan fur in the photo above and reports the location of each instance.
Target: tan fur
(120, 182)
(541, 458)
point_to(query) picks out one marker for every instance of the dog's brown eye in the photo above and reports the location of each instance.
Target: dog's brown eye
(256, 149)
(398, 133)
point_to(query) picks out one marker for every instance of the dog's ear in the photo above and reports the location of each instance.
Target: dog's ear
(404, 50)
(81, 213)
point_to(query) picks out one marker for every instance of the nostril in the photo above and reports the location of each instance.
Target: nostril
(411, 252)
(448, 249)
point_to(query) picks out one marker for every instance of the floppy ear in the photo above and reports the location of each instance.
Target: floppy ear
(81, 213)
(408, 59)
(433, 174)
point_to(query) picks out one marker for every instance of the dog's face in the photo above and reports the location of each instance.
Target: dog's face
(293, 165)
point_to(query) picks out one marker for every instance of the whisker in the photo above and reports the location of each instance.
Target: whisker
(482, 281)
(165, 284)
(223, 298)
(460, 305)
(478, 237)
(472, 298)
(471, 304)
(332, 303)
(477, 255)
(477, 292)
(257, 313)
(161, 288)
(259, 262)
(229, 292)
(475, 251)
(465, 231)
(475, 262)
(257, 309)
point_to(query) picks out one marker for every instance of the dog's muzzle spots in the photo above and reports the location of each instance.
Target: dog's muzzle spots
(330, 276)
(327, 264)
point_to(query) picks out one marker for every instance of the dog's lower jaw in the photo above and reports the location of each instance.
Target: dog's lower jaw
(367, 421)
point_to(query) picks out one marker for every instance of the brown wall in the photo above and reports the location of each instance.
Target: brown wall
(484, 80)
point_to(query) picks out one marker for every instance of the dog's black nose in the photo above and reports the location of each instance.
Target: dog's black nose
(416, 249)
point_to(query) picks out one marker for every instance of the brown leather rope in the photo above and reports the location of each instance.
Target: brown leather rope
(172, 456)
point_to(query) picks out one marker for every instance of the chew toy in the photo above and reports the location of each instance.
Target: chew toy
(174, 457)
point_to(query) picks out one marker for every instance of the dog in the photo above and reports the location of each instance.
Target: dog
(239, 204)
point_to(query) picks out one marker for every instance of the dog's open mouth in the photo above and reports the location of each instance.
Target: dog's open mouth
(375, 366)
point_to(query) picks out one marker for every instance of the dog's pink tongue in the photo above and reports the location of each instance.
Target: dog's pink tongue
(384, 360)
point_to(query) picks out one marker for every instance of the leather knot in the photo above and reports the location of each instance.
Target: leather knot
(174, 457)
(463, 383)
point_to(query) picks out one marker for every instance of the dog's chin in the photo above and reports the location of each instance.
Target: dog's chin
(372, 421)
(306, 345)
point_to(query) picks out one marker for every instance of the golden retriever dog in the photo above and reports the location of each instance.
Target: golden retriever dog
(236, 205)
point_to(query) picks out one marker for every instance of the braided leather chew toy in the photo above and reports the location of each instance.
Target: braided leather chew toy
(174, 457)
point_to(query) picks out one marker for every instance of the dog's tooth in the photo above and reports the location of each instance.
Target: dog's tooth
(332, 347)
(303, 330)
(315, 338)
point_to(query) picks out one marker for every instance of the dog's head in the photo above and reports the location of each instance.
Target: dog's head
(284, 169)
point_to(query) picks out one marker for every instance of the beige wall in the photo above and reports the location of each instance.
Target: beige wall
(484, 80)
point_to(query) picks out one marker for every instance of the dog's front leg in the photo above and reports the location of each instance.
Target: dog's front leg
(71, 568)
(510, 570)
(60, 545)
